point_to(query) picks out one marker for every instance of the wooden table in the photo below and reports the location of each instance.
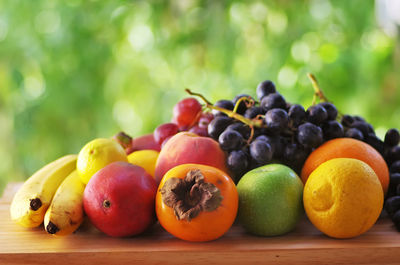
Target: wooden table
(305, 245)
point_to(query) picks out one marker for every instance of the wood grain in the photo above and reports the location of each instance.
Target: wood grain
(305, 245)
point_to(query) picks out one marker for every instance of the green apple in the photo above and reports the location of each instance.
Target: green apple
(270, 200)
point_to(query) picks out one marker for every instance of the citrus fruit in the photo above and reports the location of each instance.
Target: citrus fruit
(343, 197)
(270, 200)
(97, 154)
(144, 158)
(347, 148)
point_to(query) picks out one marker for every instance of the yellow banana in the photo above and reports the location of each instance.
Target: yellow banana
(65, 213)
(31, 201)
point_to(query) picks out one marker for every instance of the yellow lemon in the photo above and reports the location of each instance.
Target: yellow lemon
(343, 197)
(144, 158)
(97, 154)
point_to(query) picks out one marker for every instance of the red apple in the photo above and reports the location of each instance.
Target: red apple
(186, 147)
(119, 199)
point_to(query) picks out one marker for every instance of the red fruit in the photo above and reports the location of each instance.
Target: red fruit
(201, 131)
(205, 119)
(186, 113)
(119, 199)
(164, 131)
(144, 142)
(186, 147)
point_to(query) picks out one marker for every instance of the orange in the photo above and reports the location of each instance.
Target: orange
(350, 148)
(343, 197)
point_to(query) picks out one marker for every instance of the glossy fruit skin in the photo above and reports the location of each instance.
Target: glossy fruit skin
(186, 113)
(164, 131)
(347, 148)
(207, 225)
(270, 200)
(186, 147)
(130, 192)
(144, 142)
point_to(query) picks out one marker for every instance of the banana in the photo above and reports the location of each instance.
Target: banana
(31, 201)
(65, 213)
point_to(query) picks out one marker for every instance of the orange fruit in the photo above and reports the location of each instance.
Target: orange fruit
(343, 197)
(347, 148)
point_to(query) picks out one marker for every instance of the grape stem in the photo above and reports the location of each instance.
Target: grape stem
(317, 90)
(233, 114)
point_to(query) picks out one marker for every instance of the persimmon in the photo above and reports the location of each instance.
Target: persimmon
(196, 202)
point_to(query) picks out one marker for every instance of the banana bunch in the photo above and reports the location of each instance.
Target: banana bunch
(53, 194)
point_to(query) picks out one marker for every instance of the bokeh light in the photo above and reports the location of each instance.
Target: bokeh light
(74, 70)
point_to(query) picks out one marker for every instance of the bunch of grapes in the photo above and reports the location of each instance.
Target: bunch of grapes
(283, 132)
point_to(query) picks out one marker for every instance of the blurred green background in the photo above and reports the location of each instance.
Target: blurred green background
(74, 70)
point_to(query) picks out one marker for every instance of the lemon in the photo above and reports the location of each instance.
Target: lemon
(144, 158)
(97, 154)
(343, 197)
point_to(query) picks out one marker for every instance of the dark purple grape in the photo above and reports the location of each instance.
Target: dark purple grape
(276, 120)
(394, 179)
(218, 125)
(295, 155)
(274, 100)
(259, 131)
(261, 152)
(394, 182)
(358, 118)
(251, 113)
(225, 104)
(396, 220)
(265, 88)
(362, 126)
(354, 133)
(347, 120)
(398, 190)
(309, 135)
(370, 128)
(395, 167)
(297, 114)
(394, 154)
(317, 114)
(392, 205)
(375, 142)
(230, 140)
(392, 137)
(332, 129)
(330, 109)
(238, 163)
(240, 127)
(242, 105)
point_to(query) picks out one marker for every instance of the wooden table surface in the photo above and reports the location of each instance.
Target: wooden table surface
(305, 245)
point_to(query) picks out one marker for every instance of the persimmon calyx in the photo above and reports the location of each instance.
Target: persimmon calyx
(191, 195)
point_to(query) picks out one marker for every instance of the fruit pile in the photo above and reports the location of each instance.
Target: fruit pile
(215, 162)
